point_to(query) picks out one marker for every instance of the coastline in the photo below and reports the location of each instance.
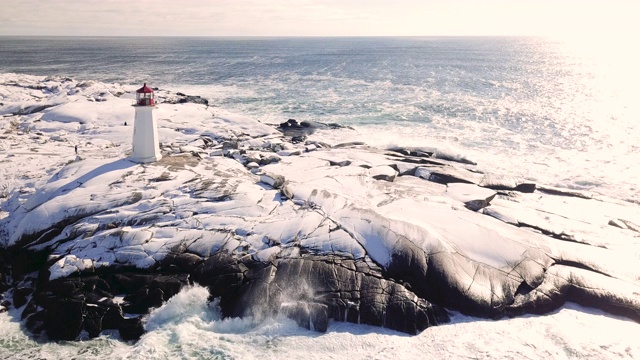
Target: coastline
(538, 109)
(227, 185)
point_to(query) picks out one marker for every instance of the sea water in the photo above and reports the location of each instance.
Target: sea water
(556, 112)
(190, 327)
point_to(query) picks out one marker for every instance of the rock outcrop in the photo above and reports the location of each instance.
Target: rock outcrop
(276, 225)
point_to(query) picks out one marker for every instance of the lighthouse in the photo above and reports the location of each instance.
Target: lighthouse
(145, 129)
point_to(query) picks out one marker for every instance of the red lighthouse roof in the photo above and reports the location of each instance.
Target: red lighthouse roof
(144, 89)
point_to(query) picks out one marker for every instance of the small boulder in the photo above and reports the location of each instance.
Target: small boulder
(64, 318)
(340, 163)
(275, 181)
(271, 159)
(131, 329)
(93, 319)
(20, 296)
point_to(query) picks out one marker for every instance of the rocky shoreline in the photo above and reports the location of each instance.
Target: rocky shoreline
(272, 220)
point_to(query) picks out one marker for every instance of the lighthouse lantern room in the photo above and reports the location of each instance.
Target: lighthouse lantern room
(146, 147)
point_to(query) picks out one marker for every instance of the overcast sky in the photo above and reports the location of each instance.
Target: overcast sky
(317, 18)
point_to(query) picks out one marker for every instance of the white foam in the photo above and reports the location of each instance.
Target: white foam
(188, 328)
(190, 302)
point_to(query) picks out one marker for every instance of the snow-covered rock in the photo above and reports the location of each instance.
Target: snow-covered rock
(330, 242)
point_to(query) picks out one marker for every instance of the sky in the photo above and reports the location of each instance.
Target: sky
(318, 18)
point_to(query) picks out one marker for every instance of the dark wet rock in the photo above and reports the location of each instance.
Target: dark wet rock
(337, 284)
(223, 275)
(64, 318)
(302, 129)
(309, 315)
(169, 284)
(141, 301)
(30, 309)
(271, 159)
(312, 290)
(525, 187)
(187, 261)
(475, 205)
(149, 291)
(294, 128)
(181, 98)
(128, 283)
(20, 296)
(36, 322)
(66, 306)
(340, 163)
(112, 318)
(93, 316)
(131, 328)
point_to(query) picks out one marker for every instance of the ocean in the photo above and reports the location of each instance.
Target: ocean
(555, 112)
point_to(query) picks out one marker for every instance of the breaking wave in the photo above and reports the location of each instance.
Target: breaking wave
(189, 326)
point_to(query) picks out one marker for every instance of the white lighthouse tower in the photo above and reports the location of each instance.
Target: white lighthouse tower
(145, 129)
